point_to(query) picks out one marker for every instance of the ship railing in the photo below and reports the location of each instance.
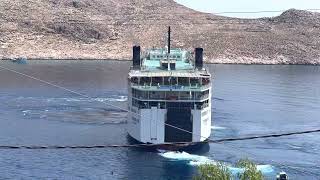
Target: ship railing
(169, 87)
(170, 97)
(202, 106)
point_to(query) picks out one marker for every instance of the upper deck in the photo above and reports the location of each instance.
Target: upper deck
(158, 63)
(155, 57)
(161, 71)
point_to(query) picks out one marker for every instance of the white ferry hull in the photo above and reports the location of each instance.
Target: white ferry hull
(149, 125)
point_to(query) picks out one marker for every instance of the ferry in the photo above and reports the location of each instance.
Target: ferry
(169, 97)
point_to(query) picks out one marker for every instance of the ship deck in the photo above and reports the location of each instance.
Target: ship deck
(154, 64)
(165, 73)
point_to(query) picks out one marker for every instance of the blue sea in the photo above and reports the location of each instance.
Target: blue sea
(247, 100)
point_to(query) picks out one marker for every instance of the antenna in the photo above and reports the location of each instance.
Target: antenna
(169, 39)
(168, 55)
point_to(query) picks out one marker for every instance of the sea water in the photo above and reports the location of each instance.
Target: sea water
(247, 100)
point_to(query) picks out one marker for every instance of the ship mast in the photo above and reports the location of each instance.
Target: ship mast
(169, 39)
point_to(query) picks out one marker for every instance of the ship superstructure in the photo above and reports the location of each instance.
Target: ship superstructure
(169, 95)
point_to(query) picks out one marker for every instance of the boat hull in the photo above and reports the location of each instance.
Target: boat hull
(185, 146)
(160, 126)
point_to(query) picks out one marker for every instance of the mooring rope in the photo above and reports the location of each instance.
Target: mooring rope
(175, 144)
(265, 136)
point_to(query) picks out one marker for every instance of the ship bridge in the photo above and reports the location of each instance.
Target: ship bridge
(159, 59)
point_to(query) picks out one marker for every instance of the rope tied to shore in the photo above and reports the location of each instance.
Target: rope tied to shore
(175, 144)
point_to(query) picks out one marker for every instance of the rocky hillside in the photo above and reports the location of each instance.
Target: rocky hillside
(107, 29)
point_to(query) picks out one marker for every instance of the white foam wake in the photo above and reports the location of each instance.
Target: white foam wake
(183, 156)
(218, 128)
(197, 160)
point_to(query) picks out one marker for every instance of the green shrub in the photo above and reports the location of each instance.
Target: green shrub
(250, 170)
(220, 171)
(213, 172)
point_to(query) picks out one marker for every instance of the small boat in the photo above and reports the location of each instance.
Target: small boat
(282, 176)
(20, 60)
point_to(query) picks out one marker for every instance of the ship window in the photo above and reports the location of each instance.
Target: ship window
(158, 95)
(153, 104)
(134, 103)
(185, 95)
(200, 95)
(134, 80)
(173, 80)
(183, 81)
(195, 82)
(159, 105)
(205, 81)
(145, 81)
(204, 94)
(139, 94)
(162, 105)
(180, 105)
(178, 56)
(199, 105)
(172, 95)
(197, 95)
(202, 105)
(156, 81)
(166, 81)
(142, 94)
(143, 105)
(193, 95)
(133, 91)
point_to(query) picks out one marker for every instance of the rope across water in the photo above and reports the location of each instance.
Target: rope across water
(164, 144)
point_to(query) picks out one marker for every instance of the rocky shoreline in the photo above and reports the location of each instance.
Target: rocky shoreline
(240, 61)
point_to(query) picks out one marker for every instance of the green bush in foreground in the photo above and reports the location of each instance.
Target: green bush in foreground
(213, 172)
(221, 171)
(250, 170)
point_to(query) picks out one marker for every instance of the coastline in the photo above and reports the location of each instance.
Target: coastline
(215, 61)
